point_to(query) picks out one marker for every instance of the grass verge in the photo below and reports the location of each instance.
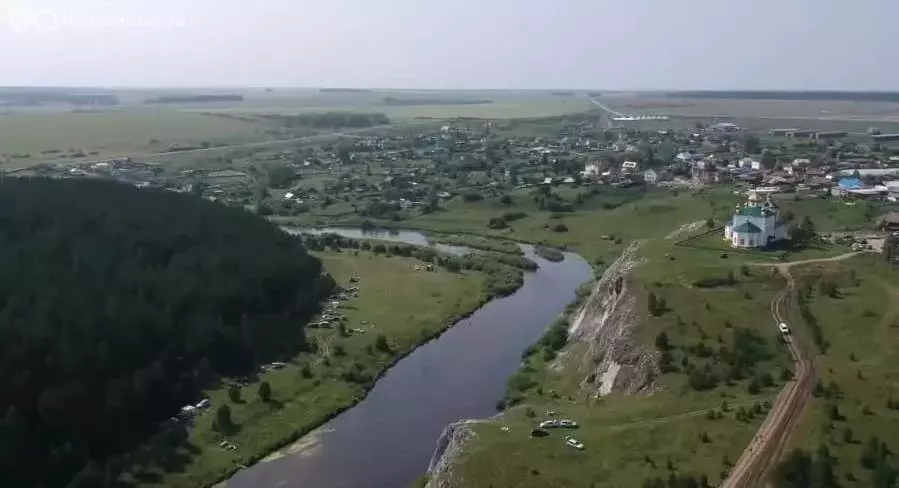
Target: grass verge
(405, 305)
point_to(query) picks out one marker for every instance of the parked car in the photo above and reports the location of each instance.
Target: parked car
(783, 328)
(572, 442)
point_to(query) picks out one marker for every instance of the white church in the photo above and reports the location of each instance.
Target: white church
(755, 224)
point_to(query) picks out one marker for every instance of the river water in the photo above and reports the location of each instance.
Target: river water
(387, 439)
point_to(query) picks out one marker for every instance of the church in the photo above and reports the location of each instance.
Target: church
(755, 224)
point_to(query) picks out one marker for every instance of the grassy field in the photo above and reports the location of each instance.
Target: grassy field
(623, 434)
(711, 295)
(860, 328)
(598, 232)
(396, 300)
(113, 133)
(502, 108)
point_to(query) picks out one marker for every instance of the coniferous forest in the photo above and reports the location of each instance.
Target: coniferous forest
(118, 304)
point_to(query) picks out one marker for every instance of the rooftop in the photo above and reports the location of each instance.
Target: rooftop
(747, 228)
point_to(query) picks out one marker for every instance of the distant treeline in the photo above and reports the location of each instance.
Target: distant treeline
(195, 99)
(26, 98)
(563, 93)
(433, 101)
(343, 90)
(331, 120)
(792, 95)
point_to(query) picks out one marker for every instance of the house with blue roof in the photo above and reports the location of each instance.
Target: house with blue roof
(755, 224)
(850, 184)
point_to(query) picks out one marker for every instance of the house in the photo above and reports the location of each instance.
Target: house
(890, 222)
(755, 224)
(684, 157)
(591, 170)
(749, 163)
(892, 190)
(781, 132)
(830, 134)
(850, 184)
(629, 167)
(800, 162)
(703, 172)
(726, 127)
(650, 176)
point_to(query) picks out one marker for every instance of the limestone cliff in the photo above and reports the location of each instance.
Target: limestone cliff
(440, 470)
(614, 361)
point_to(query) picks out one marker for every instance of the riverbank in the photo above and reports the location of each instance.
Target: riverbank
(398, 300)
(627, 384)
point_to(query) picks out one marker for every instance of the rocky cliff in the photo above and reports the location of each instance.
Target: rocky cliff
(614, 361)
(448, 447)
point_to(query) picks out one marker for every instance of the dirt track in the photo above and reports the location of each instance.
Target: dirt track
(768, 443)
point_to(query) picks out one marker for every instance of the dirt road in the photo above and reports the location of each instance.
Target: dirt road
(768, 443)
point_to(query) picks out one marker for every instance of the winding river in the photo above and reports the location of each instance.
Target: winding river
(387, 439)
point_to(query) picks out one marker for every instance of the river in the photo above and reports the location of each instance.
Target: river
(387, 439)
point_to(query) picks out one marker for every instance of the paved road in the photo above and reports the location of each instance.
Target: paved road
(607, 109)
(768, 443)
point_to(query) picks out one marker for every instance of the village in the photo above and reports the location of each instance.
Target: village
(395, 176)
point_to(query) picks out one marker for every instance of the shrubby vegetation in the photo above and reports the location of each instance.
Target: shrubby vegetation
(117, 305)
(504, 271)
(478, 242)
(549, 253)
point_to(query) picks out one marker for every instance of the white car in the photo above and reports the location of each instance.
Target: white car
(783, 328)
(569, 424)
(549, 424)
(572, 442)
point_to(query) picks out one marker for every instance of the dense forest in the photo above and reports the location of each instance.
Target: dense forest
(432, 101)
(26, 97)
(118, 304)
(194, 99)
(331, 120)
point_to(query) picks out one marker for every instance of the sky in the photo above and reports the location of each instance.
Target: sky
(458, 44)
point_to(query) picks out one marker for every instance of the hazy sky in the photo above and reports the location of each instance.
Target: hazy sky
(602, 44)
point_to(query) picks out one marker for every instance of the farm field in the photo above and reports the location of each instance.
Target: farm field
(112, 133)
(33, 135)
(395, 300)
(502, 108)
(756, 108)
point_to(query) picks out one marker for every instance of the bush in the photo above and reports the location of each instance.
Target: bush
(381, 343)
(306, 372)
(234, 393)
(265, 391)
(513, 216)
(560, 228)
(223, 420)
(497, 223)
